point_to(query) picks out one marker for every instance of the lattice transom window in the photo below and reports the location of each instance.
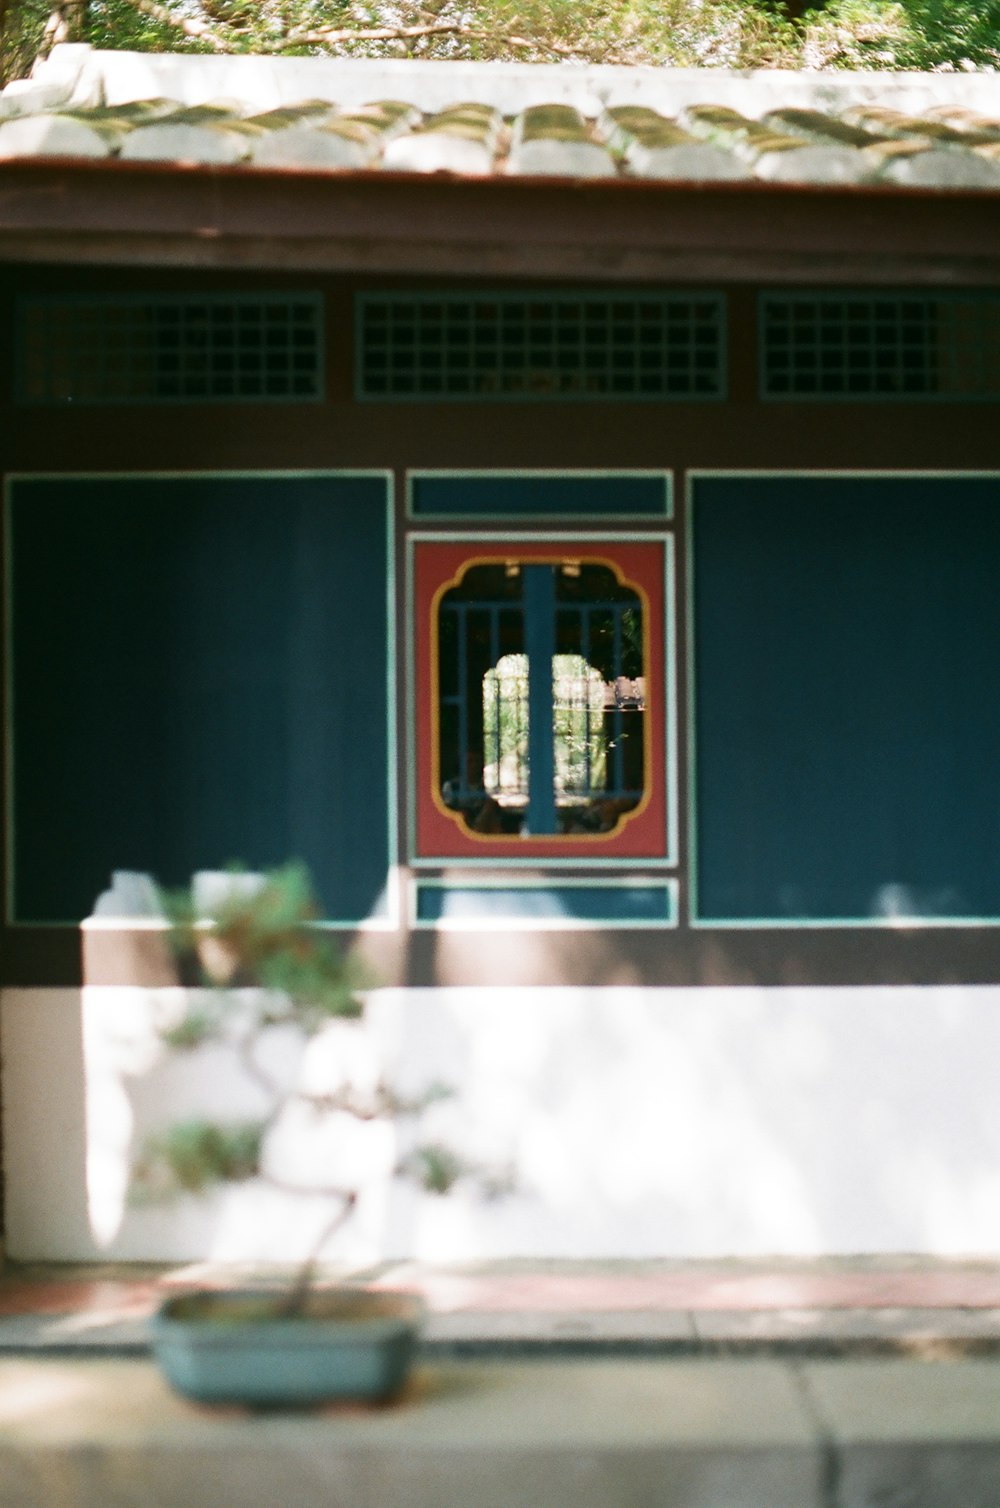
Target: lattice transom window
(541, 346)
(880, 346)
(170, 348)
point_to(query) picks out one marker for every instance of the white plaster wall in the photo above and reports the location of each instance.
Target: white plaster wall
(641, 1122)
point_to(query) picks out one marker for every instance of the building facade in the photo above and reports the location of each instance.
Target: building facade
(310, 464)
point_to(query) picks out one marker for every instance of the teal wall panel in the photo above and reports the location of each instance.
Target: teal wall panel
(199, 675)
(527, 495)
(846, 715)
(552, 905)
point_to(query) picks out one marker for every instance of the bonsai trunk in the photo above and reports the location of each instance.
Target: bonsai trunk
(294, 1303)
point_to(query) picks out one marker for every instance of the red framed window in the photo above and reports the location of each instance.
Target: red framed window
(540, 699)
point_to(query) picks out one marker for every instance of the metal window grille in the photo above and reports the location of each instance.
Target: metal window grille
(580, 700)
(555, 751)
(139, 348)
(541, 346)
(880, 346)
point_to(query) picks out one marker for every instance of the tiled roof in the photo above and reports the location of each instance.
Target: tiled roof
(930, 131)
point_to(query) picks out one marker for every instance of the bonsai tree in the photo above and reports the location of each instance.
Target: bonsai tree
(266, 966)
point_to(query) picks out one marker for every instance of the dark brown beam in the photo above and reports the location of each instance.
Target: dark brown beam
(172, 215)
(801, 956)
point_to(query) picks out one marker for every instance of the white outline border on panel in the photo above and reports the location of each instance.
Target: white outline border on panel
(392, 920)
(543, 923)
(579, 860)
(903, 923)
(548, 520)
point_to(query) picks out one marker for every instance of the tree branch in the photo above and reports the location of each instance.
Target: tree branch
(56, 30)
(319, 36)
(294, 1301)
(325, 36)
(332, 34)
(245, 1045)
(381, 1105)
(196, 29)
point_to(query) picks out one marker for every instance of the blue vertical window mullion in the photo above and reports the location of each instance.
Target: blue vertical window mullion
(463, 694)
(539, 606)
(494, 616)
(583, 613)
(616, 663)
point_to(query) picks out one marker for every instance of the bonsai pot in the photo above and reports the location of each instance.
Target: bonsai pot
(238, 1346)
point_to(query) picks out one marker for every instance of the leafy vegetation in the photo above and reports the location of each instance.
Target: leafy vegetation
(191, 1156)
(678, 33)
(266, 968)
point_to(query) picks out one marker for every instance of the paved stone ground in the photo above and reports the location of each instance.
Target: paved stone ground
(864, 1383)
(618, 1432)
(828, 1307)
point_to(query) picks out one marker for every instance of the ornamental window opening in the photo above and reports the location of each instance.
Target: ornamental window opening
(557, 749)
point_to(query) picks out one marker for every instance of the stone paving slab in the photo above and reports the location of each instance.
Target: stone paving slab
(923, 1436)
(680, 1433)
(841, 1328)
(524, 1309)
(519, 1435)
(533, 1328)
(64, 1335)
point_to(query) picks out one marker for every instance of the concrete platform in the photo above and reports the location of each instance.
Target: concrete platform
(635, 1433)
(832, 1384)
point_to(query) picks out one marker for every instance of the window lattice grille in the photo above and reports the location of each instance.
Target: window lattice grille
(170, 349)
(494, 346)
(558, 749)
(881, 346)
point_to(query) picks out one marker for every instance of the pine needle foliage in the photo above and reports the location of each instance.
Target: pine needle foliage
(265, 965)
(266, 938)
(190, 1157)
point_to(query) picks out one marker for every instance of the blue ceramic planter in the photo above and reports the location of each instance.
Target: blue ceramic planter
(232, 1346)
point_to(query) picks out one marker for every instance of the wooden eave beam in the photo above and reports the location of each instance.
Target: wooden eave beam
(56, 211)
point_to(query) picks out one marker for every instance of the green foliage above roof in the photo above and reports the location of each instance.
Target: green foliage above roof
(879, 34)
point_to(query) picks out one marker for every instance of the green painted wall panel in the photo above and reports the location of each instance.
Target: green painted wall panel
(523, 495)
(551, 905)
(199, 675)
(847, 722)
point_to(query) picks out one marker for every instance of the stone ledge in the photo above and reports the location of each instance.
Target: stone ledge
(595, 1434)
(927, 1436)
(789, 1335)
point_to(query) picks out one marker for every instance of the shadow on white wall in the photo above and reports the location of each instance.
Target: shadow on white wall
(642, 1123)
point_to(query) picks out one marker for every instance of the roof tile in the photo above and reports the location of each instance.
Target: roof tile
(653, 147)
(557, 141)
(916, 164)
(201, 133)
(817, 125)
(790, 160)
(964, 120)
(51, 135)
(596, 123)
(462, 139)
(323, 144)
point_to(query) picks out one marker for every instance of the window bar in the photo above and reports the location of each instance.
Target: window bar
(450, 699)
(585, 614)
(563, 705)
(616, 665)
(494, 616)
(463, 710)
(539, 605)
